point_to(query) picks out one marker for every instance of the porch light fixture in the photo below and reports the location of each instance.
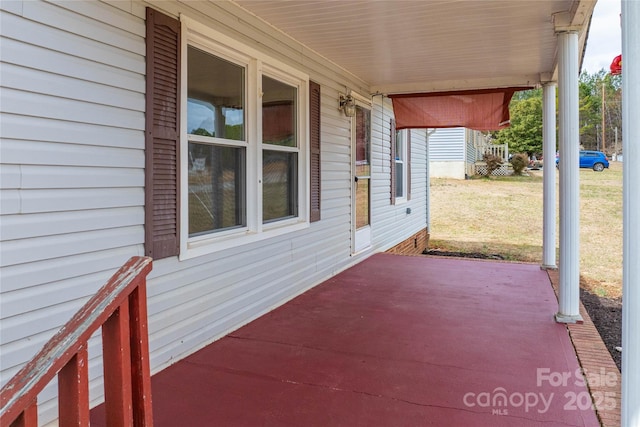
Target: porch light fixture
(347, 105)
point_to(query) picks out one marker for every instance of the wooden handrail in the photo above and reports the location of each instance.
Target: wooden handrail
(120, 308)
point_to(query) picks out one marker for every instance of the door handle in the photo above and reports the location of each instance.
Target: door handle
(355, 178)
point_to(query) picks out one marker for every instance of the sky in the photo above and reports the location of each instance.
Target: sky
(604, 42)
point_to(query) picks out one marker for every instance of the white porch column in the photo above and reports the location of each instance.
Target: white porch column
(549, 174)
(569, 266)
(631, 214)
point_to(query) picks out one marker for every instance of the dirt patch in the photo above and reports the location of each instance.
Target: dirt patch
(476, 255)
(606, 313)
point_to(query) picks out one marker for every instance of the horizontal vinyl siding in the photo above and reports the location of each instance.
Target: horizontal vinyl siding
(471, 152)
(72, 186)
(447, 144)
(391, 224)
(72, 156)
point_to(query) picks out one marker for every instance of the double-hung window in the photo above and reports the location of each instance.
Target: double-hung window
(244, 144)
(280, 148)
(401, 165)
(217, 143)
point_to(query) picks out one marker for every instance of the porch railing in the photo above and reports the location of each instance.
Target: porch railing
(120, 308)
(499, 150)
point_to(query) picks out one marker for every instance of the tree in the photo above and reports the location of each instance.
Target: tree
(591, 109)
(525, 133)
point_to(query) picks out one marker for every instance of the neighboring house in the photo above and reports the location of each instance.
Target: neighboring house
(447, 153)
(453, 152)
(117, 140)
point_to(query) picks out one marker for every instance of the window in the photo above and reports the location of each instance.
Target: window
(400, 160)
(363, 166)
(216, 144)
(245, 142)
(400, 164)
(232, 142)
(280, 150)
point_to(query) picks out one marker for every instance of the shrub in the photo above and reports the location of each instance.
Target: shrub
(493, 162)
(519, 162)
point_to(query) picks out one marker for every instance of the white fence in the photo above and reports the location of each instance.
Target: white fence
(499, 150)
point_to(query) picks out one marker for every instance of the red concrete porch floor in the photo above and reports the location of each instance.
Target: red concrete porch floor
(393, 341)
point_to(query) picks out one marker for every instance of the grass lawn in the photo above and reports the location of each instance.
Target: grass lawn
(503, 215)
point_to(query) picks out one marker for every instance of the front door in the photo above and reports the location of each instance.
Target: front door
(361, 137)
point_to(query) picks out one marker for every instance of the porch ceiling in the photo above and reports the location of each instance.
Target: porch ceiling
(424, 46)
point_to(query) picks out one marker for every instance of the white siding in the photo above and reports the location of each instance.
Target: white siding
(72, 156)
(470, 152)
(447, 144)
(390, 223)
(447, 153)
(72, 185)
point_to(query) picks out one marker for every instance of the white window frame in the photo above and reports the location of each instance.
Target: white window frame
(256, 65)
(402, 133)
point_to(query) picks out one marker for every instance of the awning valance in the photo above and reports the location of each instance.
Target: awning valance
(486, 109)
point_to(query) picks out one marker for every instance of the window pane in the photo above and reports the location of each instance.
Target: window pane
(399, 145)
(215, 96)
(363, 139)
(279, 185)
(216, 188)
(399, 179)
(400, 155)
(362, 200)
(278, 113)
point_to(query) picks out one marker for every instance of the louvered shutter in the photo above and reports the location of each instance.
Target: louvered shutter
(392, 138)
(408, 164)
(314, 137)
(162, 136)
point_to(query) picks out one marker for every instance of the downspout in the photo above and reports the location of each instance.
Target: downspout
(428, 189)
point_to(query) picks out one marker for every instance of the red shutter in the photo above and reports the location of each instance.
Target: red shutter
(314, 137)
(162, 136)
(393, 160)
(407, 162)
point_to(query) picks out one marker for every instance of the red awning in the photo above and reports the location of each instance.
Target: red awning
(486, 109)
